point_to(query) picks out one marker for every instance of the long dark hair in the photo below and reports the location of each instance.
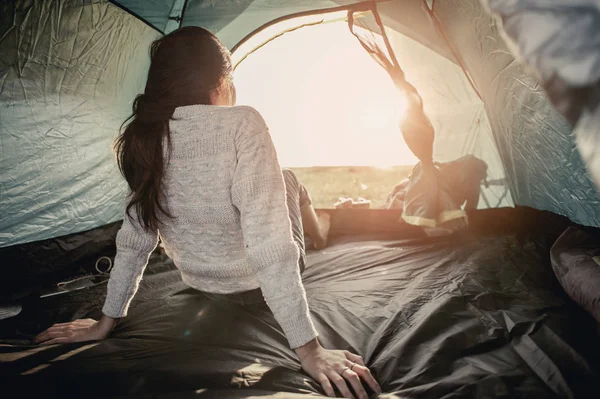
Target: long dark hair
(186, 68)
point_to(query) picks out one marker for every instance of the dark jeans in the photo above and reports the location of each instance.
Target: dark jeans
(296, 198)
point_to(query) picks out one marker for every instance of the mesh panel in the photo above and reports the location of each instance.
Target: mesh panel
(445, 120)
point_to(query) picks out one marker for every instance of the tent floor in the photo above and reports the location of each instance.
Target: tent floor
(479, 315)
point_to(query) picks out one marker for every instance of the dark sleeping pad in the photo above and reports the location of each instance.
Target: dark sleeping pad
(433, 318)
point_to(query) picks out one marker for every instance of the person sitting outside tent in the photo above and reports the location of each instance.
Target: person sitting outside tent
(395, 199)
(205, 179)
(463, 177)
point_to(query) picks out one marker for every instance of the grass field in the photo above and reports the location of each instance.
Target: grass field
(327, 184)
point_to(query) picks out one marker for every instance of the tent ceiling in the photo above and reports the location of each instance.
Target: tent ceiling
(156, 13)
(70, 69)
(234, 20)
(231, 20)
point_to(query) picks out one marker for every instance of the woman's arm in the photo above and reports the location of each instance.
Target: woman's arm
(258, 191)
(134, 246)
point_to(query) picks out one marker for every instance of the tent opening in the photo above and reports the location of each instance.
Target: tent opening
(333, 112)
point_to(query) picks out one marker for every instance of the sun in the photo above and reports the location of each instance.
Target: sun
(327, 103)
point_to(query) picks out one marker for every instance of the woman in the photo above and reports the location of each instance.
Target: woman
(205, 174)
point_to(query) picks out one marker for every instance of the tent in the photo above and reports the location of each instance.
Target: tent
(69, 70)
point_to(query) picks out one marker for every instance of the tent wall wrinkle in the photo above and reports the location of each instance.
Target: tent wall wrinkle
(562, 42)
(69, 70)
(544, 169)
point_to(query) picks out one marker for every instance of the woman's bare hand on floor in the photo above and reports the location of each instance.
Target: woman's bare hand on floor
(337, 367)
(77, 331)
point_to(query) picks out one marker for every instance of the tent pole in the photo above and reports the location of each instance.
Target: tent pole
(176, 15)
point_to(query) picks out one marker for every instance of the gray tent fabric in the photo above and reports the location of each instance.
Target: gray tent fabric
(561, 41)
(68, 71)
(544, 169)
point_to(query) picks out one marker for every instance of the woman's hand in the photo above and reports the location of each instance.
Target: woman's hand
(337, 367)
(77, 331)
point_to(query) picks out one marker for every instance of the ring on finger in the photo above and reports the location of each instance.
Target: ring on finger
(351, 367)
(344, 370)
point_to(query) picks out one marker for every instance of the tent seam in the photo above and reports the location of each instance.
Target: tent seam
(114, 3)
(352, 7)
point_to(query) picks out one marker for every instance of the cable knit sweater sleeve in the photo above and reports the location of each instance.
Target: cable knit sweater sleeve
(258, 192)
(134, 246)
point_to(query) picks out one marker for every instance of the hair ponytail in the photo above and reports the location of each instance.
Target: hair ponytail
(140, 158)
(186, 66)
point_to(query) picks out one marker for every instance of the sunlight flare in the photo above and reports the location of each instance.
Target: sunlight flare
(327, 102)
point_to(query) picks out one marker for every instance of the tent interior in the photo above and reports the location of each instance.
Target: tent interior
(498, 308)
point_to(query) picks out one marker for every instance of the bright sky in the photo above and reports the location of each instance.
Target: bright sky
(326, 101)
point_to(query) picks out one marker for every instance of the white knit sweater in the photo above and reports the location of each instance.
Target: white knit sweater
(231, 230)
